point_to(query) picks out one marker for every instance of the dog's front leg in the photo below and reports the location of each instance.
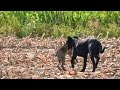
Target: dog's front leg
(73, 61)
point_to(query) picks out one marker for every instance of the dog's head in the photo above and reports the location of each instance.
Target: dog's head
(71, 42)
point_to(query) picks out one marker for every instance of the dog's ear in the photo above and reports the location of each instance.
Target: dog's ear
(69, 38)
(75, 37)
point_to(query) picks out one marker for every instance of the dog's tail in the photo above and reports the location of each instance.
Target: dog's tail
(101, 49)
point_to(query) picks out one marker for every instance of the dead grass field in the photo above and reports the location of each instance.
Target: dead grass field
(33, 58)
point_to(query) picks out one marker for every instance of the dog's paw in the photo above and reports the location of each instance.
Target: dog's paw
(93, 70)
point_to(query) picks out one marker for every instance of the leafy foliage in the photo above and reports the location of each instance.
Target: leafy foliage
(56, 23)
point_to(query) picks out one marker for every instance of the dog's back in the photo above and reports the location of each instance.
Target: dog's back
(91, 46)
(61, 52)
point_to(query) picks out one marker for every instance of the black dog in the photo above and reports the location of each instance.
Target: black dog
(91, 46)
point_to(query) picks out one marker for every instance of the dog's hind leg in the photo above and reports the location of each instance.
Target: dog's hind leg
(60, 62)
(97, 60)
(93, 62)
(84, 64)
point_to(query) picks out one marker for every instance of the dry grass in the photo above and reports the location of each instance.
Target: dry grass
(28, 58)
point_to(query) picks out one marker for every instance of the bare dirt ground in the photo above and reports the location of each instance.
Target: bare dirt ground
(34, 58)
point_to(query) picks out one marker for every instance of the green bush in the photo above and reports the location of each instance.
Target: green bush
(56, 23)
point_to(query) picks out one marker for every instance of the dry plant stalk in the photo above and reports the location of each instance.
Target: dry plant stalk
(42, 36)
(60, 38)
(99, 35)
(107, 35)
